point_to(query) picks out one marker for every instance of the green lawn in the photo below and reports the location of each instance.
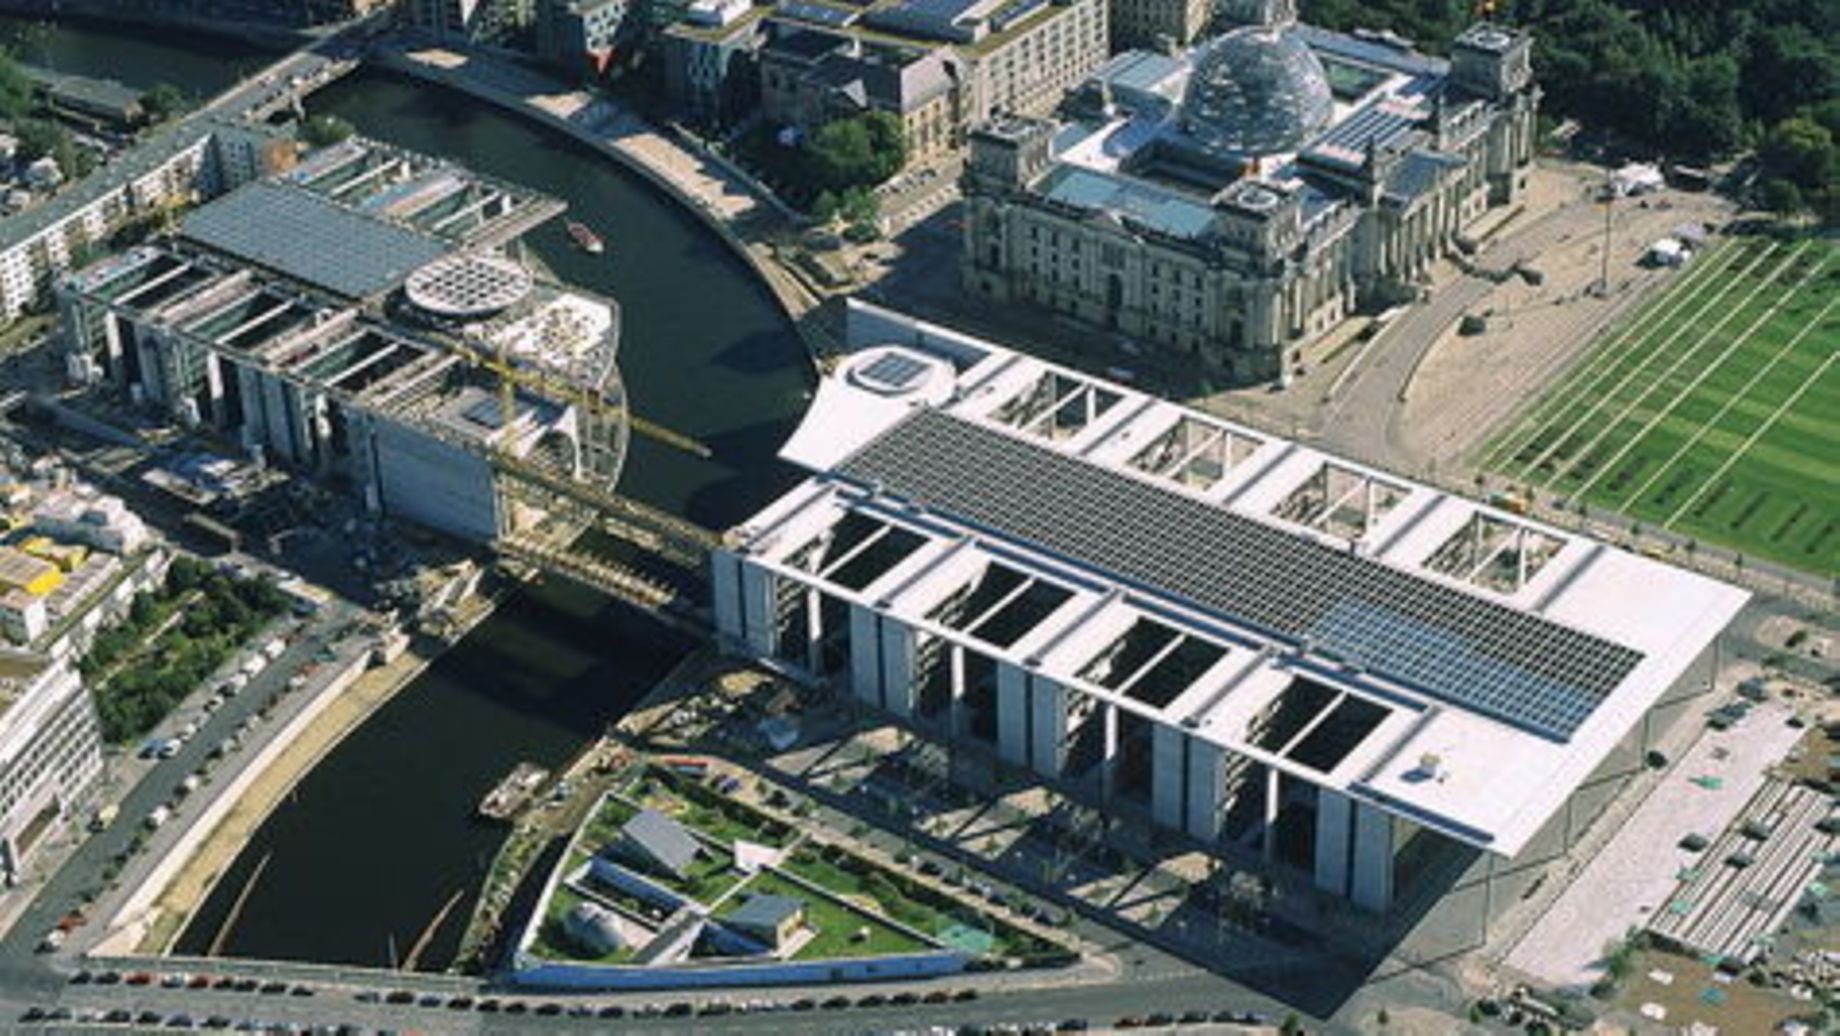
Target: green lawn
(836, 925)
(1712, 412)
(914, 906)
(603, 828)
(702, 808)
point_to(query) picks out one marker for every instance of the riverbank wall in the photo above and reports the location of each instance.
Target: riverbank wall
(132, 921)
(113, 14)
(747, 234)
(152, 918)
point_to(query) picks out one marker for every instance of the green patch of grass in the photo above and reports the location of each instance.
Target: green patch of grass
(837, 926)
(603, 828)
(914, 905)
(170, 641)
(702, 808)
(1710, 413)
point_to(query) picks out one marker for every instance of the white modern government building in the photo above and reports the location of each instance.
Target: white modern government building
(1373, 686)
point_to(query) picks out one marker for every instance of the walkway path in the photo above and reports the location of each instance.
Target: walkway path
(743, 213)
(1632, 875)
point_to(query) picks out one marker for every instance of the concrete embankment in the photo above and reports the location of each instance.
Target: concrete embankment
(115, 14)
(152, 918)
(743, 214)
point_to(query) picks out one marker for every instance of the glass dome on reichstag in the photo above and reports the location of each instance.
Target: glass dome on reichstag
(1254, 91)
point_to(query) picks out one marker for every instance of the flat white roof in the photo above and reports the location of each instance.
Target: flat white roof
(1518, 654)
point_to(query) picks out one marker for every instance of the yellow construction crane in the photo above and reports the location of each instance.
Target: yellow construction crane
(511, 377)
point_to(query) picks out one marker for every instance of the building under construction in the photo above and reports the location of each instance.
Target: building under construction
(367, 317)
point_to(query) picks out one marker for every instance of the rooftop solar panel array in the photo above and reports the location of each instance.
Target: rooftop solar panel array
(894, 370)
(1455, 646)
(310, 238)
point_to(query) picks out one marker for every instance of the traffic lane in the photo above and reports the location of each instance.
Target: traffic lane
(84, 869)
(1101, 1005)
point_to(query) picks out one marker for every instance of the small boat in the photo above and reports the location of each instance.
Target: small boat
(510, 794)
(586, 239)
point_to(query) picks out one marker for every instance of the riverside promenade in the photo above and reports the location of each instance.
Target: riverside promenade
(741, 211)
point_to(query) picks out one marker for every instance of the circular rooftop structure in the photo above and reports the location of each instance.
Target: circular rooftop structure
(1254, 91)
(468, 286)
(893, 371)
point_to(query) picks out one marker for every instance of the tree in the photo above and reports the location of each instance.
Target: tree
(15, 90)
(1802, 152)
(860, 151)
(38, 138)
(1781, 197)
(322, 130)
(162, 102)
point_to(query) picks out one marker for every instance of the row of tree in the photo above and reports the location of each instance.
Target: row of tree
(142, 679)
(832, 172)
(39, 135)
(1694, 80)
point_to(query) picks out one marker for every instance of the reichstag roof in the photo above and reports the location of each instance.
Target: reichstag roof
(1254, 91)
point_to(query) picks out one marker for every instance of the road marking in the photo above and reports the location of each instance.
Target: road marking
(1706, 370)
(1754, 436)
(1731, 401)
(1679, 360)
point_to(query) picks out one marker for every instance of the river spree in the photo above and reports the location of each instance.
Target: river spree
(380, 836)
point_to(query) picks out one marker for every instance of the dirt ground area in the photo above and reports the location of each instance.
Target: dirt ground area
(1689, 993)
(1469, 386)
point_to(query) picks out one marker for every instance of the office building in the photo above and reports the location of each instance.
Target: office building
(711, 59)
(174, 166)
(50, 754)
(584, 37)
(1375, 688)
(365, 316)
(942, 66)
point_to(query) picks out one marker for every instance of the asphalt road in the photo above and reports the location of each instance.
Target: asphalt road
(26, 974)
(1101, 1005)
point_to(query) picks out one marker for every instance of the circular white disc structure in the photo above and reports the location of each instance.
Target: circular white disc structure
(467, 286)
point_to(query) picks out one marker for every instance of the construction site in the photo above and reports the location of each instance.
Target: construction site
(370, 318)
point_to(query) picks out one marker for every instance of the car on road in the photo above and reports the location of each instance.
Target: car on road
(400, 996)
(461, 1003)
(835, 1002)
(611, 1011)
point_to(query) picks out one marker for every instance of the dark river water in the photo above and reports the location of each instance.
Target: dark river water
(380, 835)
